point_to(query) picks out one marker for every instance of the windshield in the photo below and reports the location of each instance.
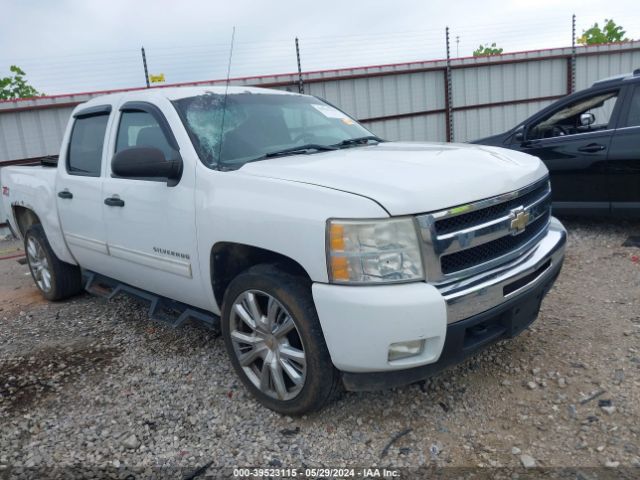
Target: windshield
(255, 126)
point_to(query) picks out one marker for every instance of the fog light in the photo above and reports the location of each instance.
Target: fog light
(400, 350)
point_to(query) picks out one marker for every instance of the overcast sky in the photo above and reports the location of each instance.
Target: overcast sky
(68, 46)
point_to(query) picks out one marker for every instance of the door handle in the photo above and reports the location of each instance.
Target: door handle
(65, 194)
(114, 202)
(592, 148)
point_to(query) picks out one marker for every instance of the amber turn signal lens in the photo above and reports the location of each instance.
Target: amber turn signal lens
(339, 268)
(336, 238)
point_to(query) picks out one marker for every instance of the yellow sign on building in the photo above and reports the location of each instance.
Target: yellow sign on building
(156, 78)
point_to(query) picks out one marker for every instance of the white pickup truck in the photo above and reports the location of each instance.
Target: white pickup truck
(327, 257)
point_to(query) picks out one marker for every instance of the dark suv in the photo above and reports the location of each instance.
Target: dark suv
(590, 141)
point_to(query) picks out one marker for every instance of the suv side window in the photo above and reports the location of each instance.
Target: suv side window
(85, 147)
(140, 129)
(633, 117)
(567, 120)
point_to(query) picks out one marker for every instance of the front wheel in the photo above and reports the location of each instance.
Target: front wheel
(273, 337)
(54, 278)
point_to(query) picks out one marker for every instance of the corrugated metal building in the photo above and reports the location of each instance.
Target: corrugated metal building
(400, 102)
(407, 101)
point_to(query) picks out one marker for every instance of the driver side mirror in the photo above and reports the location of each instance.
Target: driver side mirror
(518, 135)
(587, 119)
(146, 162)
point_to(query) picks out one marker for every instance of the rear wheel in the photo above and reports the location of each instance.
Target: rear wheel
(273, 337)
(54, 278)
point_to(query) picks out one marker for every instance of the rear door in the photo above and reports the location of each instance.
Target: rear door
(624, 158)
(79, 187)
(576, 153)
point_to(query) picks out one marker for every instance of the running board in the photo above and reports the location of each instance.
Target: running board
(161, 309)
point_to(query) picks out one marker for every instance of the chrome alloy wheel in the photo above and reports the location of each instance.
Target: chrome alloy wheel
(267, 345)
(38, 264)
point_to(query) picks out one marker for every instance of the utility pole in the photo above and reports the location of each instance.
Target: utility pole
(572, 63)
(300, 84)
(448, 94)
(146, 70)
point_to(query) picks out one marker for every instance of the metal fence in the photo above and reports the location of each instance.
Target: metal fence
(407, 101)
(457, 100)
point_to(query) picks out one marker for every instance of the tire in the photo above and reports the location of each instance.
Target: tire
(55, 279)
(283, 300)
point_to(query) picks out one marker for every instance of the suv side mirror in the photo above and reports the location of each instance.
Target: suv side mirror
(587, 119)
(146, 162)
(520, 134)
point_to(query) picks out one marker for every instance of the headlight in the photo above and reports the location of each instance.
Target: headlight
(373, 251)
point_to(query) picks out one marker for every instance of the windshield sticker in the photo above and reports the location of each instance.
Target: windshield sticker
(329, 111)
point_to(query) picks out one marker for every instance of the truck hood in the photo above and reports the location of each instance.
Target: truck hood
(407, 178)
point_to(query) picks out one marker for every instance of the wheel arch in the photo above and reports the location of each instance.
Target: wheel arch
(229, 259)
(25, 217)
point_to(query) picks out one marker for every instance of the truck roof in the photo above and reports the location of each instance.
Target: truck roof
(175, 93)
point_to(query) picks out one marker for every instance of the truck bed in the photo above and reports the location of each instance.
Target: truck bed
(30, 186)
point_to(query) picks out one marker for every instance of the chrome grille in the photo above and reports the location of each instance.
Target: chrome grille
(468, 239)
(477, 255)
(466, 220)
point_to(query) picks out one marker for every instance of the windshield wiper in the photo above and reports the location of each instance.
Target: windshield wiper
(295, 150)
(358, 141)
(301, 148)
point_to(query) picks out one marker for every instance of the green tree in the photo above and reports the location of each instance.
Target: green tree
(609, 33)
(484, 50)
(15, 85)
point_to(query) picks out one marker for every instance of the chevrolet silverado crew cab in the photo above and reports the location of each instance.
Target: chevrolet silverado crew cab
(327, 257)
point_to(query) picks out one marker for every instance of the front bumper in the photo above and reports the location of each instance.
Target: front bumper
(480, 293)
(465, 338)
(359, 323)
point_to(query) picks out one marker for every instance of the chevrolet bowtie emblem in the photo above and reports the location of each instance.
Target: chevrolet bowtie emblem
(519, 220)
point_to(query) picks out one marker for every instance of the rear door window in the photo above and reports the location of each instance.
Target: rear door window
(85, 146)
(633, 117)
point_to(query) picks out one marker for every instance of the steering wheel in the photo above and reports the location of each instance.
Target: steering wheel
(303, 136)
(560, 129)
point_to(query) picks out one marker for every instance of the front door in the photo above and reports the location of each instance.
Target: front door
(79, 188)
(573, 141)
(151, 226)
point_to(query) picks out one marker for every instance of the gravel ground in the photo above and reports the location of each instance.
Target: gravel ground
(88, 384)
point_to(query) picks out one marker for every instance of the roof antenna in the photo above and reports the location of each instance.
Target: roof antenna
(226, 89)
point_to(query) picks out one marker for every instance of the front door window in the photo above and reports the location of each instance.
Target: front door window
(588, 114)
